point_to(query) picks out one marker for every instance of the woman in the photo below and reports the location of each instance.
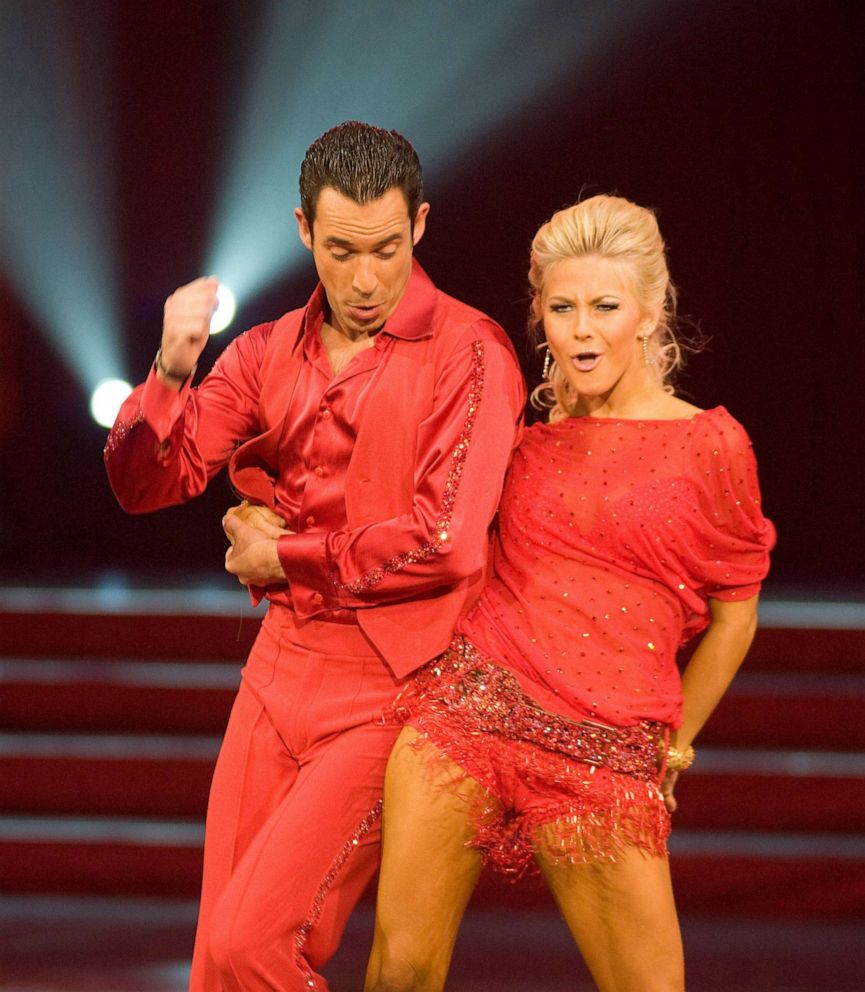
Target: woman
(554, 727)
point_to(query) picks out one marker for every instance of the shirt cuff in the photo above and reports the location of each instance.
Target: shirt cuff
(304, 560)
(161, 405)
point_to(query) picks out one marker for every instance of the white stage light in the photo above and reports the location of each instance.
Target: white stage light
(226, 306)
(289, 102)
(107, 399)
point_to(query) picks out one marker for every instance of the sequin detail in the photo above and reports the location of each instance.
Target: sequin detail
(588, 829)
(466, 687)
(397, 563)
(598, 556)
(547, 785)
(119, 431)
(303, 931)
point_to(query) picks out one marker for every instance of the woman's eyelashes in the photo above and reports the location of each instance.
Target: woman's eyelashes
(567, 307)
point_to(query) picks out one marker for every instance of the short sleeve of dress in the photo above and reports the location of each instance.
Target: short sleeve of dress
(729, 548)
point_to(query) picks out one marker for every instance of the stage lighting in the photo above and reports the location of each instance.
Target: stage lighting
(106, 400)
(226, 306)
(503, 58)
(57, 176)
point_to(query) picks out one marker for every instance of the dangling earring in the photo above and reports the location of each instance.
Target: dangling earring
(548, 364)
(647, 358)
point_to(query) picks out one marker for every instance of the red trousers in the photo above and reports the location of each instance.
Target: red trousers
(293, 822)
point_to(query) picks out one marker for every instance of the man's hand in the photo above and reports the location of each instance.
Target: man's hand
(260, 517)
(252, 555)
(186, 328)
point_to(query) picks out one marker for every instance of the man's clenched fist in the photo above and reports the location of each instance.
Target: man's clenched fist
(186, 328)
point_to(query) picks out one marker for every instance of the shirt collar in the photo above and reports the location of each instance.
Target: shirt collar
(412, 319)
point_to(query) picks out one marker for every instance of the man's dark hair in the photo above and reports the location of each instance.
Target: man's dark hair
(363, 162)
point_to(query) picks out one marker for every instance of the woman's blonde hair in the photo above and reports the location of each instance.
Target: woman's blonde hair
(608, 227)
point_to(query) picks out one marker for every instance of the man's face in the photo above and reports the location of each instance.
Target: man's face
(363, 254)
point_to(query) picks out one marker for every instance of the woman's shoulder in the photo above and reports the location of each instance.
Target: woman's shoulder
(720, 452)
(718, 427)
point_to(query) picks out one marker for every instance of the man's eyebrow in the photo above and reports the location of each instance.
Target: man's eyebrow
(337, 242)
(397, 236)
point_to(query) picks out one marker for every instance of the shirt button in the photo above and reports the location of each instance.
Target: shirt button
(310, 521)
(325, 414)
(318, 471)
(317, 598)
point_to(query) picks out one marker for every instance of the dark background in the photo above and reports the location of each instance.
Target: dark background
(741, 123)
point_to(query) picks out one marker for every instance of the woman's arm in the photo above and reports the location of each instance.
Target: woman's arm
(710, 671)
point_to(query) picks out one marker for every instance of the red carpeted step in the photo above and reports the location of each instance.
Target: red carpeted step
(796, 710)
(811, 877)
(112, 696)
(800, 649)
(773, 791)
(149, 776)
(190, 637)
(104, 857)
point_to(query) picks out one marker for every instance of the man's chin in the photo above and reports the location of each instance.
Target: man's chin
(356, 328)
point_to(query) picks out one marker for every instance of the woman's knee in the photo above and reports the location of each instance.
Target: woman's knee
(400, 973)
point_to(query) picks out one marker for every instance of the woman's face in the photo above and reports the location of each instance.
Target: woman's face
(593, 323)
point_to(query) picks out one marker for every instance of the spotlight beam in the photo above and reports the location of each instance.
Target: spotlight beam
(56, 207)
(382, 61)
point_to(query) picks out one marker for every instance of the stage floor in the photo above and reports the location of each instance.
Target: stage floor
(57, 944)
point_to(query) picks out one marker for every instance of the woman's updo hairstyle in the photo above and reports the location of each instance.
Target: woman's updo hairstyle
(608, 227)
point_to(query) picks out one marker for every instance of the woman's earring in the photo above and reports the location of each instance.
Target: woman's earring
(548, 364)
(647, 358)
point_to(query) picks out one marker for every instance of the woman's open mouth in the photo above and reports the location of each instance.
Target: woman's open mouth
(585, 361)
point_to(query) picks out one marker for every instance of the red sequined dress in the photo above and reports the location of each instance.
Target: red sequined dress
(613, 535)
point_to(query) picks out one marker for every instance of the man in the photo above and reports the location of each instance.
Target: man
(376, 423)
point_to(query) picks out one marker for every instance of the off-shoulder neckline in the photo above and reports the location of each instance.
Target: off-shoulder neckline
(636, 420)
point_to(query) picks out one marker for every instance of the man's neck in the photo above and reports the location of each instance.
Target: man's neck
(341, 348)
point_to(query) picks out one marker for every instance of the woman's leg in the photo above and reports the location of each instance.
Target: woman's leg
(623, 918)
(427, 873)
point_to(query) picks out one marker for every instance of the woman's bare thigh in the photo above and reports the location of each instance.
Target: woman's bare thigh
(428, 873)
(623, 918)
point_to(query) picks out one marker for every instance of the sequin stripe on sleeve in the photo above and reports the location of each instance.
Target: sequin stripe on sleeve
(302, 933)
(397, 563)
(119, 431)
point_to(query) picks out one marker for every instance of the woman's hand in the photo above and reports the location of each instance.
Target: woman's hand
(668, 784)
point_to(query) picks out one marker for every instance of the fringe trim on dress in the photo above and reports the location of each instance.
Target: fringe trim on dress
(593, 817)
(576, 792)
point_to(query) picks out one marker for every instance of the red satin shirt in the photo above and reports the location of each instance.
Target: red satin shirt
(177, 441)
